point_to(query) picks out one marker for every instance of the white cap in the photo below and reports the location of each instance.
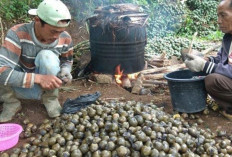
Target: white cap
(52, 12)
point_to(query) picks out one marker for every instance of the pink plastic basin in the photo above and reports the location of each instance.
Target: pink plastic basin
(9, 135)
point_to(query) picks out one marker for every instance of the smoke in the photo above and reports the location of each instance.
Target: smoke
(83, 9)
(165, 16)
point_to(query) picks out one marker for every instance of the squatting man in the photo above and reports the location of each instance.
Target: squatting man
(36, 59)
(218, 82)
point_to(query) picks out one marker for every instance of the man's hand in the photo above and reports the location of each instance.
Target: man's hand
(48, 81)
(194, 63)
(65, 75)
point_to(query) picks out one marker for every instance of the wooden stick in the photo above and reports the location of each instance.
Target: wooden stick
(153, 70)
(175, 67)
(2, 36)
(154, 82)
(151, 66)
(149, 85)
(159, 64)
(191, 44)
(163, 69)
(154, 76)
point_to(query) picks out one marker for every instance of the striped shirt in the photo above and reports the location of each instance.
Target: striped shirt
(18, 52)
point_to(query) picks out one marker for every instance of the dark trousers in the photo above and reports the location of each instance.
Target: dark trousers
(219, 88)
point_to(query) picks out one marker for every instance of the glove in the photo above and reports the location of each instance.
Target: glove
(65, 75)
(194, 63)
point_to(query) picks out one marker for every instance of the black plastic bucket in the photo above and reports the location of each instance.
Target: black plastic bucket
(187, 90)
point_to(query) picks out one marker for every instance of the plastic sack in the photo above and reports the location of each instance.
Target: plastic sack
(75, 105)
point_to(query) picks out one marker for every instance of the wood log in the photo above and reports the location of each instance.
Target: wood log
(102, 78)
(146, 82)
(154, 76)
(138, 85)
(151, 66)
(159, 60)
(2, 32)
(164, 69)
(150, 85)
(175, 67)
(153, 70)
(159, 63)
(126, 83)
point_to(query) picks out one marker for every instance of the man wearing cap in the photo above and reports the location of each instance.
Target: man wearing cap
(35, 59)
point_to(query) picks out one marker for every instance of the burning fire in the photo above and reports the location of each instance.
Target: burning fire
(119, 75)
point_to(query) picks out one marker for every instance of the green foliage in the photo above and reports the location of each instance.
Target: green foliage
(172, 45)
(16, 9)
(215, 36)
(165, 17)
(201, 18)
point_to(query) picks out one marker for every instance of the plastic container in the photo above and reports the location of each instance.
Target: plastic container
(9, 135)
(187, 90)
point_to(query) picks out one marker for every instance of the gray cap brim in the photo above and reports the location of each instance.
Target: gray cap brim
(32, 11)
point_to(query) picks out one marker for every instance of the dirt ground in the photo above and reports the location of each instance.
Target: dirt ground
(36, 112)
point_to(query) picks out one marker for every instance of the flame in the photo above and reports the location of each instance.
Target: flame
(118, 74)
(133, 76)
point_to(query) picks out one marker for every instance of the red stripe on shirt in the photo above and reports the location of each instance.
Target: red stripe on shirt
(2, 69)
(14, 28)
(24, 35)
(11, 47)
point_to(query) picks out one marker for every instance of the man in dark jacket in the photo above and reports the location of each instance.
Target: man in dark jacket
(219, 81)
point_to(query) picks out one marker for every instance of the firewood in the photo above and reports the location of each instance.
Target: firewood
(102, 78)
(150, 85)
(191, 44)
(159, 63)
(164, 69)
(153, 70)
(1, 26)
(138, 85)
(146, 82)
(175, 67)
(126, 83)
(154, 76)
